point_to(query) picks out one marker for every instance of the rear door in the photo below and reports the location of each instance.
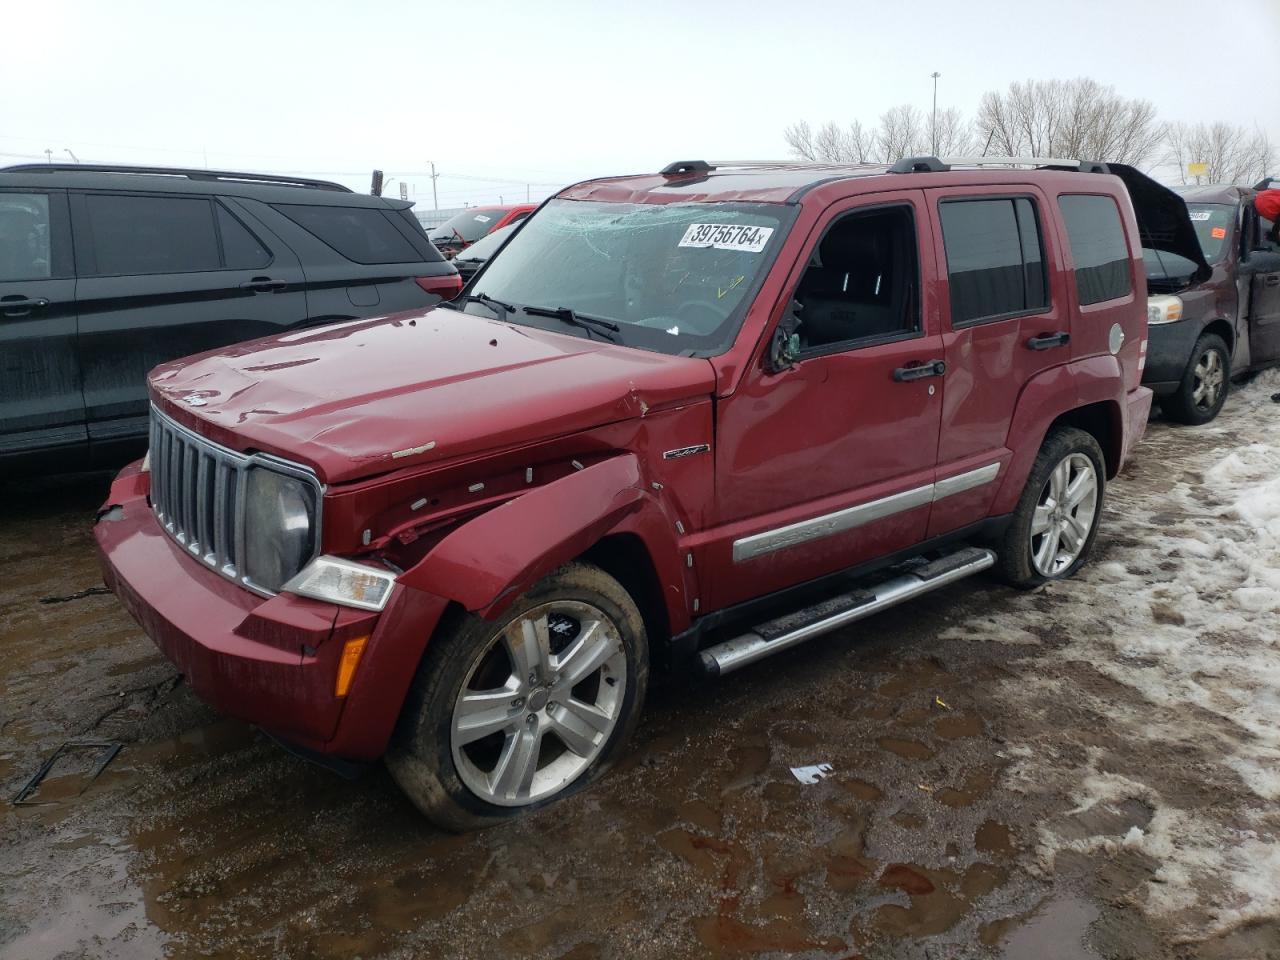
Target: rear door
(163, 276)
(41, 406)
(1001, 327)
(1264, 298)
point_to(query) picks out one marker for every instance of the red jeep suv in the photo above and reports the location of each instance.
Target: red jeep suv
(694, 417)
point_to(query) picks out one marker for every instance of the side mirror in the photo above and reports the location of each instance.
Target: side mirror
(784, 348)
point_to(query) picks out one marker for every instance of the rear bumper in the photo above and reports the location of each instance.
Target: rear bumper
(271, 662)
(1137, 409)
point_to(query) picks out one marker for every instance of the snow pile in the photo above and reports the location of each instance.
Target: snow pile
(1181, 609)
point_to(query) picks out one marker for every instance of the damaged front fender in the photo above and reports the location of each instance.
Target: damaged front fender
(489, 561)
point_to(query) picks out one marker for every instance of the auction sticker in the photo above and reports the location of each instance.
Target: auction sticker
(1200, 215)
(727, 236)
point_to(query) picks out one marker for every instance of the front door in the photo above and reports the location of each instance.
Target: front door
(829, 463)
(163, 276)
(41, 407)
(1264, 297)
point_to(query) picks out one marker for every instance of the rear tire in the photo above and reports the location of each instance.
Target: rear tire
(509, 715)
(1205, 383)
(1056, 520)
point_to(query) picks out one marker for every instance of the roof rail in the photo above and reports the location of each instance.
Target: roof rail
(680, 167)
(189, 173)
(1084, 166)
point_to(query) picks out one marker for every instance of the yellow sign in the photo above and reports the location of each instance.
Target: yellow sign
(1197, 169)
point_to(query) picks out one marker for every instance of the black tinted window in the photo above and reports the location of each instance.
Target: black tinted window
(860, 282)
(136, 235)
(1098, 247)
(995, 262)
(240, 248)
(24, 236)
(362, 234)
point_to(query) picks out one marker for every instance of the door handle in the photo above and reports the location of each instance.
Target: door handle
(1047, 341)
(932, 368)
(1273, 280)
(20, 306)
(263, 285)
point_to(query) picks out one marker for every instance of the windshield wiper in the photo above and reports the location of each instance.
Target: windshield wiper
(488, 301)
(606, 328)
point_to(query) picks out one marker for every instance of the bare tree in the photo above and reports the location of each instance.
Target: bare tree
(902, 133)
(953, 134)
(1231, 154)
(799, 137)
(1069, 118)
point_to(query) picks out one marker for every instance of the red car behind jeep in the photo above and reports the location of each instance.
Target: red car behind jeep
(694, 417)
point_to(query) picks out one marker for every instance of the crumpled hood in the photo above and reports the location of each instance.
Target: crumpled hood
(360, 398)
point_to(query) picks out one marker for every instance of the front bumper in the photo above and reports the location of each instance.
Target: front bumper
(1169, 347)
(271, 662)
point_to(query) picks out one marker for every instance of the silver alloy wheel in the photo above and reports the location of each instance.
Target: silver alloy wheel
(550, 690)
(1064, 515)
(1209, 378)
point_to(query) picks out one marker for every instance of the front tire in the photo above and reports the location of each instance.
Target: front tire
(1054, 525)
(1205, 383)
(507, 716)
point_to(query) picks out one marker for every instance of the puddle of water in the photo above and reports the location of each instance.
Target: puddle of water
(953, 728)
(1056, 931)
(911, 749)
(994, 838)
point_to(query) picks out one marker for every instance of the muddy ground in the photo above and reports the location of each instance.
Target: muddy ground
(1085, 771)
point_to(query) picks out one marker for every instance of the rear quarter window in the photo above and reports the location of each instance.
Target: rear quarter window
(1098, 247)
(995, 258)
(362, 234)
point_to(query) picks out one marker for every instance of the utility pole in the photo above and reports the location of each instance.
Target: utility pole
(526, 193)
(48, 155)
(435, 202)
(934, 126)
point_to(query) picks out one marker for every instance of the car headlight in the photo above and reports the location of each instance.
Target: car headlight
(279, 527)
(146, 462)
(344, 581)
(1164, 308)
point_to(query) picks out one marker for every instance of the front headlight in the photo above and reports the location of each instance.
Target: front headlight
(279, 527)
(1164, 308)
(344, 581)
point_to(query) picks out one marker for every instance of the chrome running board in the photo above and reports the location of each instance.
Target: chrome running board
(786, 631)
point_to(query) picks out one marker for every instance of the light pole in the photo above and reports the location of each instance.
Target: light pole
(435, 202)
(71, 155)
(933, 127)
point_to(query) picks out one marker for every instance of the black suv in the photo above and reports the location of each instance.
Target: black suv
(107, 271)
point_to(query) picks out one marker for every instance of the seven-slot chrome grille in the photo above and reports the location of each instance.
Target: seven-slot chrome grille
(198, 493)
(196, 490)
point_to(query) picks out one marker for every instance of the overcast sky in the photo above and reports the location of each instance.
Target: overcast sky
(551, 91)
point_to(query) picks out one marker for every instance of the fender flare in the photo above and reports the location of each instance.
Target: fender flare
(1044, 398)
(490, 560)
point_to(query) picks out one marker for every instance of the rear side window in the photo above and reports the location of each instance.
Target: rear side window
(995, 258)
(242, 249)
(133, 235)
(362, 234)
(25, 252)
(1098, 247)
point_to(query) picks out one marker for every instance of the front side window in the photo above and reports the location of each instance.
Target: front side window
(671, 277)
(1098, 247)
(1214, 224)
(132, 235)
(995, 258)
(24, 237)
(860, 282)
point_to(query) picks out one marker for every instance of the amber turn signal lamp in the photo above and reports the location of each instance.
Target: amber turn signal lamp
(352, 651)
